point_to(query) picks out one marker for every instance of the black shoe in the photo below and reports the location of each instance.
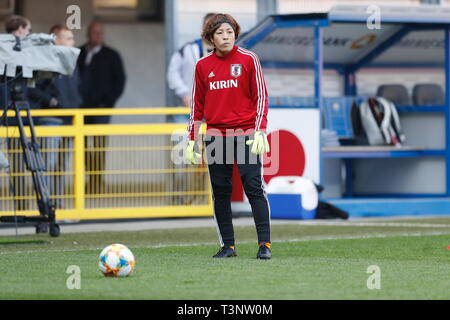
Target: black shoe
(225, 252)
(264, 252)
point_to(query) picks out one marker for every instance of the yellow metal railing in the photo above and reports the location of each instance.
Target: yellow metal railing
(107, 171)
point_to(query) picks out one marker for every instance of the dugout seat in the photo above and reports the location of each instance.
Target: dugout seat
(397, 93)
(424, 94)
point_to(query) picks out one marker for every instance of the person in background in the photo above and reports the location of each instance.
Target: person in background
(61, 91)
(180, 74)
(19, 27)
(181, 69)
(102, 73)
(103, 78)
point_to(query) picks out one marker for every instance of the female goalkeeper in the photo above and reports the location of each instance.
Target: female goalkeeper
(229, 93)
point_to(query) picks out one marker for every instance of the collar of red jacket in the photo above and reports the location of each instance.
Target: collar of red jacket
(228, 55)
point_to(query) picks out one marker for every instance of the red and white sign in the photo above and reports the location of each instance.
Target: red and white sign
(297, 151)
(294, 138)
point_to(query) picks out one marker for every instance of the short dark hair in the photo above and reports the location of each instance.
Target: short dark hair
(207, 16)
(57, 28)
(215, 22)
(14, 22)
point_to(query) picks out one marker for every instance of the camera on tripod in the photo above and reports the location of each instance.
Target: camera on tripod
(22, 62)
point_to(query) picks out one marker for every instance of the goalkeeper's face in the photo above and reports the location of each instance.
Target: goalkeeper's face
(224, 38)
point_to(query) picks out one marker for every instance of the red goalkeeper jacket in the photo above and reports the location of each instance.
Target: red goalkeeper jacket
(229, 93)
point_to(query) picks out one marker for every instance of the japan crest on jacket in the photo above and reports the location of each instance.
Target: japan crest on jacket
(236, 70)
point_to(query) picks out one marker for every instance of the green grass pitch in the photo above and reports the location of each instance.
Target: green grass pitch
(309, 262)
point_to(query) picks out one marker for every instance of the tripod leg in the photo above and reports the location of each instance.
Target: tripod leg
(35, 163)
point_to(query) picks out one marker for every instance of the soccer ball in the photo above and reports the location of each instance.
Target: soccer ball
(116, 260)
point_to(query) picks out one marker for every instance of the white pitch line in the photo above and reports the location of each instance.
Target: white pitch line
(371, 224)
(199, 223)
(368, 236)
(274, 241)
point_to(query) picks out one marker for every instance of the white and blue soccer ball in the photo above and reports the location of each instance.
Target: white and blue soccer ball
(116, 260)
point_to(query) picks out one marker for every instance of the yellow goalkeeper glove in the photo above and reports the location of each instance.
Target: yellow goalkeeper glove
(191, 155)
(260, 144)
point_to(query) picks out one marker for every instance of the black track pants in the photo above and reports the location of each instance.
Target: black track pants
(222, 152)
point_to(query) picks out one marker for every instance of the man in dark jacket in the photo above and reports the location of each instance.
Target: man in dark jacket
(101, 73)
(102, 79)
